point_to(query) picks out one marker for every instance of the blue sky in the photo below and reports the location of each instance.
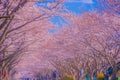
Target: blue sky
(80, 6)
(74, 6)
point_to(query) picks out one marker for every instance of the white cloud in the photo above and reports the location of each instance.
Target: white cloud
(84, 1)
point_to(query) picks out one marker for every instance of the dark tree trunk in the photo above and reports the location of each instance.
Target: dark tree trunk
(113, 76)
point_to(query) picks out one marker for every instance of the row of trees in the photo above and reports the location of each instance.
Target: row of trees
(92, 50)
(94, 41)
(90, 43)
(93, 45)
(15, 16)
(9, 49)
(90, 47)
(80, 39)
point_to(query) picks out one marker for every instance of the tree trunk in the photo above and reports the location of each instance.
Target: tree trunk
(113, 76)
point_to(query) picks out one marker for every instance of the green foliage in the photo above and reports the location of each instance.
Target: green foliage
(100, 79)
(67, 78)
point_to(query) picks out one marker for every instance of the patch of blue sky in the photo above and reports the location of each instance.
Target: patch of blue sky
(99, 6)
(81, 6)
(44, 3)
(57, 20)
(72, 5)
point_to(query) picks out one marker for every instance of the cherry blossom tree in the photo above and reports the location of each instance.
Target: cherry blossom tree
(95, 38)
(15, 19)
(110, 5)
